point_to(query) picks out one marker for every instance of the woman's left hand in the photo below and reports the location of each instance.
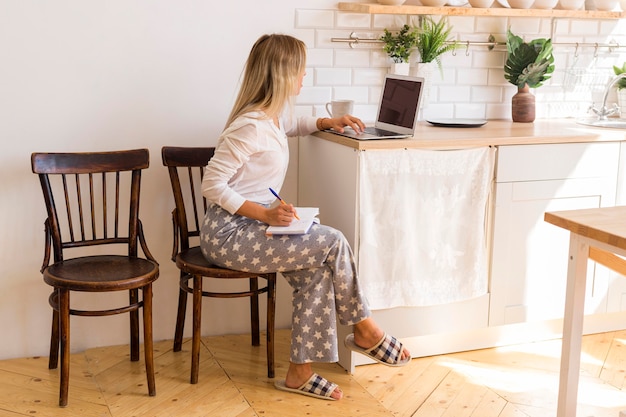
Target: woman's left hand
(338, 123)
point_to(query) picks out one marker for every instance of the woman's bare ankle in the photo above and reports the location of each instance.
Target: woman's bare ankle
(298, 374)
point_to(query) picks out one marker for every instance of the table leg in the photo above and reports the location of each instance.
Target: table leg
(573, 326)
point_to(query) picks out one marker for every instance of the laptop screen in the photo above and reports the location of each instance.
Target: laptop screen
(399, 103)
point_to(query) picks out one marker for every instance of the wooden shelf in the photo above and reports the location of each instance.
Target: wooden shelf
(375, 8)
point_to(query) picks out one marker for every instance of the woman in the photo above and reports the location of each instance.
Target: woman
(251, 157)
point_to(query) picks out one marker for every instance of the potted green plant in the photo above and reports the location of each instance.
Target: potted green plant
(528, 65)
(621, 88)
(621, 84)
(433, 40)
(399, 47)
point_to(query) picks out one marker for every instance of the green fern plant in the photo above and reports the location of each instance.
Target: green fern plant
(433, 40)
(398, 46)
(528, 63)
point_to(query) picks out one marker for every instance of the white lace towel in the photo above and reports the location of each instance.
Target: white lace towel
(422, 237)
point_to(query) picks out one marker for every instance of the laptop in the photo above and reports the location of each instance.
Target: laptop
(397, 110)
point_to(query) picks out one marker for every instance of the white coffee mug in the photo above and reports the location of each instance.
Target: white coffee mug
(339, 108)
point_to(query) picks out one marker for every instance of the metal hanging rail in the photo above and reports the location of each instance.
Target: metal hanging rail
(490, 43)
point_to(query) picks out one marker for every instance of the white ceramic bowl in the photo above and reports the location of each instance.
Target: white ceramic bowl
(433, 3)
(571, 4)
(485, 4)
(546, 4)
(605, 5)
(521, 4)
(391, 2)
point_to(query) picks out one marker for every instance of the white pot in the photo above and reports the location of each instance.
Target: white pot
(621, 102)
(401, 68)
(426, 70)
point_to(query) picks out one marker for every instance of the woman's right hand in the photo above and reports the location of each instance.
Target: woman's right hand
(281, 215)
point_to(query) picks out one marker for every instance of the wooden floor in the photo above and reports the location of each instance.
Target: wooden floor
(516, 381)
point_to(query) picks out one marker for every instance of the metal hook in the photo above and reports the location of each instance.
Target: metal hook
(576, 51)
(355, 39)
(595, 52)
(467, 48)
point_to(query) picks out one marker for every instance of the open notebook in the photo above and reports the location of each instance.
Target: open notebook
(398, 109)
(308, 216)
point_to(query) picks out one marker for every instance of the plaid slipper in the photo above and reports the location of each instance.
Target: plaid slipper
(387, 351)
(316, 387)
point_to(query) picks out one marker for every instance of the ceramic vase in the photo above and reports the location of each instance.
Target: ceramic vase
(523, 105)
(400, 68)
(425, 70)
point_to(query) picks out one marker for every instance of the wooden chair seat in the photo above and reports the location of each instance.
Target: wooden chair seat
(92, 201)
(101, 273)
(185, 166)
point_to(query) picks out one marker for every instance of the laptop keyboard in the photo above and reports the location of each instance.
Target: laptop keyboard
(379, 132)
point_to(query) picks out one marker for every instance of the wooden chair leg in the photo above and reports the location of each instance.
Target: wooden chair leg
(271, 316)
(133, 296)
(197, 315)
(147, 338)
(254, 312)
(180, 316)
(64, 315)
(53, 359)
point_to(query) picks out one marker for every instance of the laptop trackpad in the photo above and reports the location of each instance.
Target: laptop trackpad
(351, 133)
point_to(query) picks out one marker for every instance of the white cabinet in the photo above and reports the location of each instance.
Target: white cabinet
(529, 256)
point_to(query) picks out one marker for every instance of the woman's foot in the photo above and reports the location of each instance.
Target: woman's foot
(367, 334)
(299, 373)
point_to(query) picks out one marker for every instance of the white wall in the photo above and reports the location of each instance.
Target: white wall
(79, 75)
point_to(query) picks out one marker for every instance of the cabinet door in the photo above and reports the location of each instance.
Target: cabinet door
(529, 257)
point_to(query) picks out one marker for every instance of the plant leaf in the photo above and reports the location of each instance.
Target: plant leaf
(433, 40)
(528, 63)
(399, 46)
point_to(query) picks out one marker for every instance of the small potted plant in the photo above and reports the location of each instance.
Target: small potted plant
(528, 65)
(399, 47)
(621, 88)
(433, 40)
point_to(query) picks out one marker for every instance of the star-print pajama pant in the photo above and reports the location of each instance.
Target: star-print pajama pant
(319, 266)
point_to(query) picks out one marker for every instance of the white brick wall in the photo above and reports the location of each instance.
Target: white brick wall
(473, 83)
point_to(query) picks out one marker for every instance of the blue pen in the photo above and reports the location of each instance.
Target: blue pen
(282, 201)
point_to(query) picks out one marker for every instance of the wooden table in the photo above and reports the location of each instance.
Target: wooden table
(598, 234)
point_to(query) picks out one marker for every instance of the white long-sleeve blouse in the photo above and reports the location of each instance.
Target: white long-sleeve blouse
(251, 155)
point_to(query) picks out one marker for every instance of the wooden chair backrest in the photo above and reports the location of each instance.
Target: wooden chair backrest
(92, 189)
(186, 168)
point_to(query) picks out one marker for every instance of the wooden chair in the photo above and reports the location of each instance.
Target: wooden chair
(92, 202)
(186, 167)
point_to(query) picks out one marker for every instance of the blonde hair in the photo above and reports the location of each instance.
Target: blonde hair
(270, 75)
